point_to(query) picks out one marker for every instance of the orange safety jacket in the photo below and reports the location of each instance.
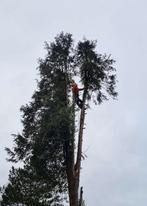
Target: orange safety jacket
(75, 89)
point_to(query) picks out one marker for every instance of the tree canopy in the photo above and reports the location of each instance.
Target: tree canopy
(46, 144)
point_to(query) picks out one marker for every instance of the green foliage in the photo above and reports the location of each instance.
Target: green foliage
(47, 120)
(96, 72)
(26, 188)
(46, 143)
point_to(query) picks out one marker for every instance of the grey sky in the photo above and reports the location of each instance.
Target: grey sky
(115, 141)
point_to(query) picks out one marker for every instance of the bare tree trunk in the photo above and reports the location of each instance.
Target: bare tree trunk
(73, 170)
(73, 193)
(80, 137)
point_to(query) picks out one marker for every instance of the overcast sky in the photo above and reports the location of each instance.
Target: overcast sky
(115, 141)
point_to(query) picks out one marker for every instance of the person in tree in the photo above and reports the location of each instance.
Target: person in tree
(75, 91)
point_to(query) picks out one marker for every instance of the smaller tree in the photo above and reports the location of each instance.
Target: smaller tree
(26, 188)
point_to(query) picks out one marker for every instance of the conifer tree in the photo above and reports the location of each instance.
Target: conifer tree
(26, 188)
(47, 142)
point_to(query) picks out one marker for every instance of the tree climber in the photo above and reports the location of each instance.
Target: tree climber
(75, 91)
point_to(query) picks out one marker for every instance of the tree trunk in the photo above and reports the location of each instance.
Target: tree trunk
(73, 192)
(73, 170)
(80, 138)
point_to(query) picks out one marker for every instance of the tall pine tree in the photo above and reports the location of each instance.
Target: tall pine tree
(47, 142)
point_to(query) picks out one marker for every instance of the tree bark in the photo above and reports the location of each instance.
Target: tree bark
(80, 137)
(73, 192)
(73, 170)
